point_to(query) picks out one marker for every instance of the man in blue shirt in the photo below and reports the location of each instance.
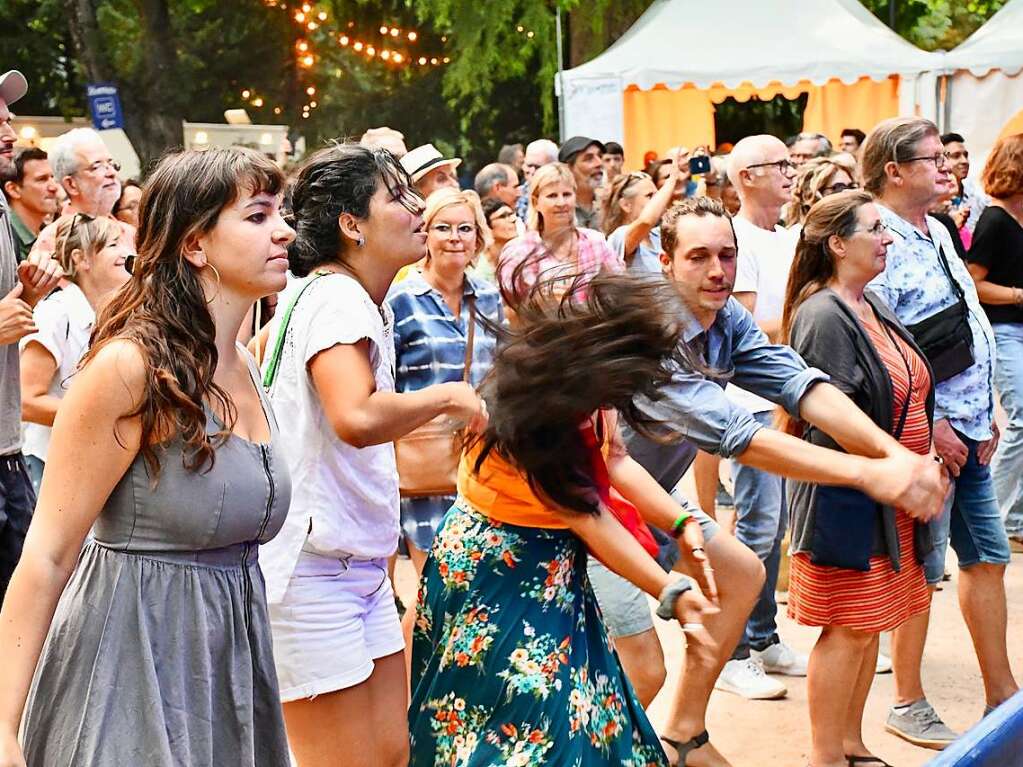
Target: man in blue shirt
(700, 257)
(906, 167)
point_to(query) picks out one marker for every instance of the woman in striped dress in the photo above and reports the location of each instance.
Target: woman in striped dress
(856, 566)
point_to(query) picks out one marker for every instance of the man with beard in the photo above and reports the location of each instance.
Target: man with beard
(83, 166)
(31, 193)
(583, 156)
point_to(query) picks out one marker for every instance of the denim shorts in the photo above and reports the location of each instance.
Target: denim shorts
(625, 607)
(971, 520)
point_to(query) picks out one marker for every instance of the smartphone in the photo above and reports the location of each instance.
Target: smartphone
(699, 165)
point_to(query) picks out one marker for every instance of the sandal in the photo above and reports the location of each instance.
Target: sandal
(683, 748)
(854, 760)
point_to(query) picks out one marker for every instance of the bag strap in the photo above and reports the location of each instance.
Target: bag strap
(956, 287)
(275, 358)
(909, 373)
(472, 338)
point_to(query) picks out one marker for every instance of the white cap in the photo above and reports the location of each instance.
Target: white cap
(425, 158)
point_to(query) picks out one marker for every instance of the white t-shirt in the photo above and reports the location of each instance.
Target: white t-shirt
(344, 500)
(64, 321)
(764, 260)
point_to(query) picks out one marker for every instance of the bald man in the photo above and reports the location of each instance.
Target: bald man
(760, 169)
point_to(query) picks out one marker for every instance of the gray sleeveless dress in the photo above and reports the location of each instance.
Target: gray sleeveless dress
(159, 653)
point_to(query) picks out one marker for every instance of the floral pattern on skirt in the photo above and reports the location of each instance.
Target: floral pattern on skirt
(511, 664)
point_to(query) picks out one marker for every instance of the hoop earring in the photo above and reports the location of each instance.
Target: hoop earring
(212, 298)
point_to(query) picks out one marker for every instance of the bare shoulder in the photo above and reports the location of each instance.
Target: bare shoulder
(116, 373)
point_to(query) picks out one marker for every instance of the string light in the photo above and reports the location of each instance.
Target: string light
(358, 45)
(310, 90)
(257, 102)
(384, 30)
(246, 93)
(322, 15)
(343, 39)
(412, 37)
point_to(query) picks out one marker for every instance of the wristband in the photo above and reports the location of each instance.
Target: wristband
(683, 519)
(669, 596)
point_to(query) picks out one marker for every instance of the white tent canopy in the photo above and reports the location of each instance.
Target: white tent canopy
(996, 45)
(678, 42)
(986, 88)
(697, 43)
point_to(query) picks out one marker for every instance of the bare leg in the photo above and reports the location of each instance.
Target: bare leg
(908, 642)
(982, 601)
(705, 475)
(643, 661)
(835, 667)
(361, 726)
(408, 621)
(740, 576)
(853, 742)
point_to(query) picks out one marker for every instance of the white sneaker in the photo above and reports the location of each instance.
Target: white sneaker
(747, 679)
(779, 658)
(884, 664)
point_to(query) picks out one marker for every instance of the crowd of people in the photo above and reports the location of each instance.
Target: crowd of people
(230, 395)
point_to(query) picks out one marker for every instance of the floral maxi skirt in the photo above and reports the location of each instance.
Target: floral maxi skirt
(510, 661)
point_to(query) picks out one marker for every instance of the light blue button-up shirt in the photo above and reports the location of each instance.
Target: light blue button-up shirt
(915, 286)
(694, 406)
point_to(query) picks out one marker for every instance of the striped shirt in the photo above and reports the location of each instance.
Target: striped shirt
(429, 341)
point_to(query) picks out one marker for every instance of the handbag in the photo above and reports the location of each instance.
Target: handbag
(428, 456)
(844, 518)
(946, 338)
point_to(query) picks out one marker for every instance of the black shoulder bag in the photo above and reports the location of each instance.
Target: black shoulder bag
(946, 338)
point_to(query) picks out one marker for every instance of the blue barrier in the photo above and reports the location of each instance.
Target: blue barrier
(995, 741)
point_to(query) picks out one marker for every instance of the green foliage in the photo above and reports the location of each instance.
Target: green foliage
(936, 24)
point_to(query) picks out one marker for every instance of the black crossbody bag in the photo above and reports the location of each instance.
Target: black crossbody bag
(945, 338)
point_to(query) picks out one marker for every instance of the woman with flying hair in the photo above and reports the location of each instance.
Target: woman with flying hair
(818, 178)
(158, 651)
(510, 659)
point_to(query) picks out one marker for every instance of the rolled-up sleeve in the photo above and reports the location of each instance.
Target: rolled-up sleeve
(775, 372)
(695, 408)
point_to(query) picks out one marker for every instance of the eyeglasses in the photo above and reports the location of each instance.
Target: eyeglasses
(877, 230)
(783, 166)
(465, 231)
(99, 165)
(939, 160)
(839, 187)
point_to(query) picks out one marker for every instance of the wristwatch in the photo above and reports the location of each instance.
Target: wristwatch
(669, 596)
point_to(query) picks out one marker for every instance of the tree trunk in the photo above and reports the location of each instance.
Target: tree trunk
(151, 96)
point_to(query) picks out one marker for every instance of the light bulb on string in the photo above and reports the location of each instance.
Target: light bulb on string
(371, 51)
(395, 32)
(307, 61)
(412, 37)
(257, 102)
(384, 30)
(385, 54)
(311, 90)
(397, 58)
(433, 61)
(300, 17)
(322, 16)
(306, 7)
(343, 39)
(303, 46)
(312, 105)
(529, 33)
(312, 25)
(358, 45)
(447, 60)
(246, 93)
(277, 110)
(422, 60)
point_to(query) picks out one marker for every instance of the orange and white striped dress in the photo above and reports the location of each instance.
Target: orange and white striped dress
(879, 599)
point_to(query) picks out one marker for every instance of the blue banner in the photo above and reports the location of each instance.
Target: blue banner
(105, 106)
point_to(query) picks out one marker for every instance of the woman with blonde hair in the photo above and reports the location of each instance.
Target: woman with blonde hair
(437, 330)
(856, 565)
(553, 245)
(818, 178)
(632, 215)
(92, 254)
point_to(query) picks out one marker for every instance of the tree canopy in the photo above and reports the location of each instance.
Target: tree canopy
(464, 74)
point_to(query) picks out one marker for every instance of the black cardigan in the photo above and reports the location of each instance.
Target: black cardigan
(828, 335)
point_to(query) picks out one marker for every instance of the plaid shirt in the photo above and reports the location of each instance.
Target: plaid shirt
(593, 256)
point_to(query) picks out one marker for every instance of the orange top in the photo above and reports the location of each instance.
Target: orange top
(502, 492)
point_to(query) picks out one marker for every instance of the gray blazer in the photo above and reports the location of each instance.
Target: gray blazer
(827, 334)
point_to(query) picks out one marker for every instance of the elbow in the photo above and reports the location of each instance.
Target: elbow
(32, 412)
(354, 431)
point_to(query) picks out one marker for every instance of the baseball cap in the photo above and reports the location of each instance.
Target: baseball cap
(425, 158)
(575, 145)
(13, 86)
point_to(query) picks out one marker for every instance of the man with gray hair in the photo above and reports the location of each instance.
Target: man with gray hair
(905, 167)
(806, 146)
(498, 181)
(82, 165)
(541, 152)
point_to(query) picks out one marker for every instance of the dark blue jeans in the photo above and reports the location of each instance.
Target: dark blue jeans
(17, 501)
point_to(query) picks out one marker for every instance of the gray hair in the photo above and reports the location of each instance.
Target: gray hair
(63, 157)
(546, 146)
(490, 176)
(893, 140)
(508, 153)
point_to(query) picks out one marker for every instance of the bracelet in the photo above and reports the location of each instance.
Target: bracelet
(669, 596)
(683, 519)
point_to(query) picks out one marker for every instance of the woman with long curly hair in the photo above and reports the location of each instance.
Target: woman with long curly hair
(818, 178)
(510, 660)
(159, 652)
